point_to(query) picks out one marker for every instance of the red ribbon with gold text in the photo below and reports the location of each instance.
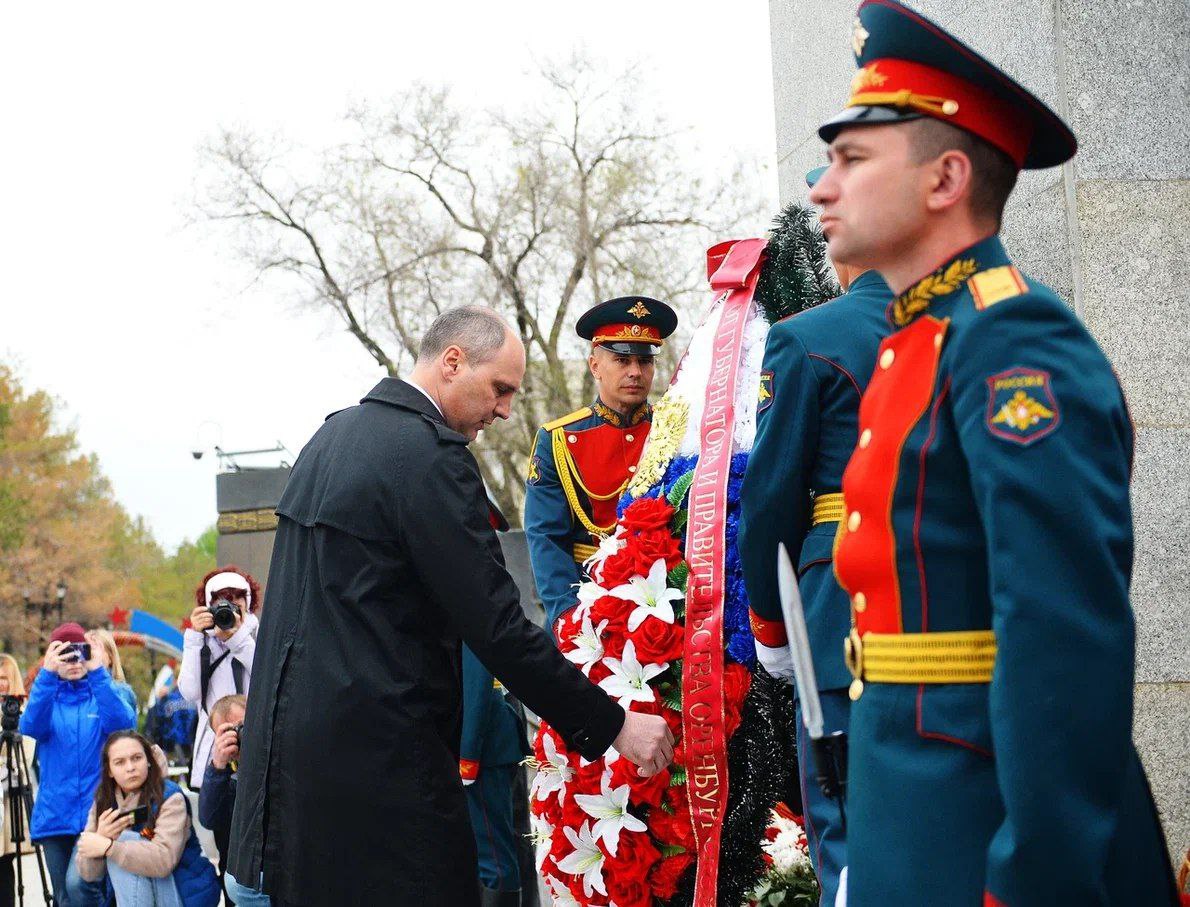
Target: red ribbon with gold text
(733, 268)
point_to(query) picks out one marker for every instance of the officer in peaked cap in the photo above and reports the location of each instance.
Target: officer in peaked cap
(816, 364)
(986, 538)
(582, 462)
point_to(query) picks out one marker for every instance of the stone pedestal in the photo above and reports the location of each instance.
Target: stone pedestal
(1109, 231)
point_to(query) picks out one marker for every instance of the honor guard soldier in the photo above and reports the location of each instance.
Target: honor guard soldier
(582, 462)
(491, 747)
(816, 365)
(986, 540)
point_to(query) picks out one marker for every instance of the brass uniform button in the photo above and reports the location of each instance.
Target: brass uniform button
(853, 521)
(861, 602)
(629, 438)
(886, 358)
(855, 690)
(866, 438)
(572, 439)
(632, 469)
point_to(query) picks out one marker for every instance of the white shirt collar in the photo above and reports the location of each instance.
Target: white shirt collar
(425, 394)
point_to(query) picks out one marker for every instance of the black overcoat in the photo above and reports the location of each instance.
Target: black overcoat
(349, 789)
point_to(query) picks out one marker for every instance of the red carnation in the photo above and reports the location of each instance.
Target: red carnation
(663, 880)
(645, 514)
(736, 682)
(656, 641)
(625, 873)
(619, 568)
(615, 611)
(649, 547)
(673, 828)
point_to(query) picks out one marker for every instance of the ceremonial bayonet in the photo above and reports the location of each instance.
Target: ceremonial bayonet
(830, 750)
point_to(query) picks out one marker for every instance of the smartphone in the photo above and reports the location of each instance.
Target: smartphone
(77, 651)
(140, 814)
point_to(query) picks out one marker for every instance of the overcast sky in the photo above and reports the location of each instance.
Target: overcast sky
(145, 328)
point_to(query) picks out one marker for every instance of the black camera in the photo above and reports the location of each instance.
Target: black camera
(10, 713)
(76, 651)
(239, 729)
(225, 613)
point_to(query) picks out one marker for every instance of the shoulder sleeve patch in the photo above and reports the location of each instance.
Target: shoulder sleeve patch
(1021, 406)
(568, 418)
(765, 399)
(533, 473)
(995, 285)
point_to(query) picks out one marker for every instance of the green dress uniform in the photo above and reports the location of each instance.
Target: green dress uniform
(582, 463)
(816, 365)
(987, 550)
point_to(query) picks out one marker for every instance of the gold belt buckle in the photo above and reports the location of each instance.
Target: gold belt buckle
(853, 655)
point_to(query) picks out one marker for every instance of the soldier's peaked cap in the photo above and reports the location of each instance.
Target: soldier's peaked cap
(910, 67)
(629, 325)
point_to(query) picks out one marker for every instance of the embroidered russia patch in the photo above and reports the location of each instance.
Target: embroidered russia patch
(765, 394)
(1021, 405)
(534, 471)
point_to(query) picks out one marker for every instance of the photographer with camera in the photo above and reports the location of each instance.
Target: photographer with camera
(72, 709)
(217, 654)
(12, 695)
(218, 797)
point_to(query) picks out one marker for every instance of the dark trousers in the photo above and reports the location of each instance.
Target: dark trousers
(8, 880)
(489, 800)
(824, 825)
(57, 850)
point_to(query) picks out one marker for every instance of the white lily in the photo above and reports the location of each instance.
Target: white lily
(552, 775)
(651, 595)
(629, 679)
(585, 860)
(588, 593)
(609, 545)
(609, 809)
(561, 894)
(588, 645)
(541, 833)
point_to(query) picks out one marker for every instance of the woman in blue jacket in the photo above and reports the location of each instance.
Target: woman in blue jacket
(73, 707)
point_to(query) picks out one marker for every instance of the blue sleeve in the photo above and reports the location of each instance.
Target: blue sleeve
(549, 530)
(115, 713)
(215, 800)
(1055, 511)
(477, 699)
(37, 719)
(775, 500)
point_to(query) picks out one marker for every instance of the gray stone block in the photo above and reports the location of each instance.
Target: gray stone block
(1128, 87)
(1136, 289)
(812, 68)
(1036, 228)
(1161, 729)
(1161, 568)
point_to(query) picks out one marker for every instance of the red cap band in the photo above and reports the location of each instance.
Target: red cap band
(632, 333)
(945, 97)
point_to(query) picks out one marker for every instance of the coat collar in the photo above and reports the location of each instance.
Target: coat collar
(948, 279)
(609, 415)
(396, 392)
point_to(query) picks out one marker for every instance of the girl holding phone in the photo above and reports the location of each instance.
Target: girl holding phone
(139, 831)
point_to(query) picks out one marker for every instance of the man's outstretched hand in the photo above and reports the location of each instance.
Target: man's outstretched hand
(646, 741)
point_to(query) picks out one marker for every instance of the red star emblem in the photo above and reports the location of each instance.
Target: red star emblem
(119, 617)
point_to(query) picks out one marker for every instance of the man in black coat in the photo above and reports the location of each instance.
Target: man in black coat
(349, 789)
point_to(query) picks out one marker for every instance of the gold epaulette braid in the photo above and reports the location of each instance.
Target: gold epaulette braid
(828, 508)
(568, 475)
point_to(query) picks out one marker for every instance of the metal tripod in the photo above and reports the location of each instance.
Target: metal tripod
(18, 802)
